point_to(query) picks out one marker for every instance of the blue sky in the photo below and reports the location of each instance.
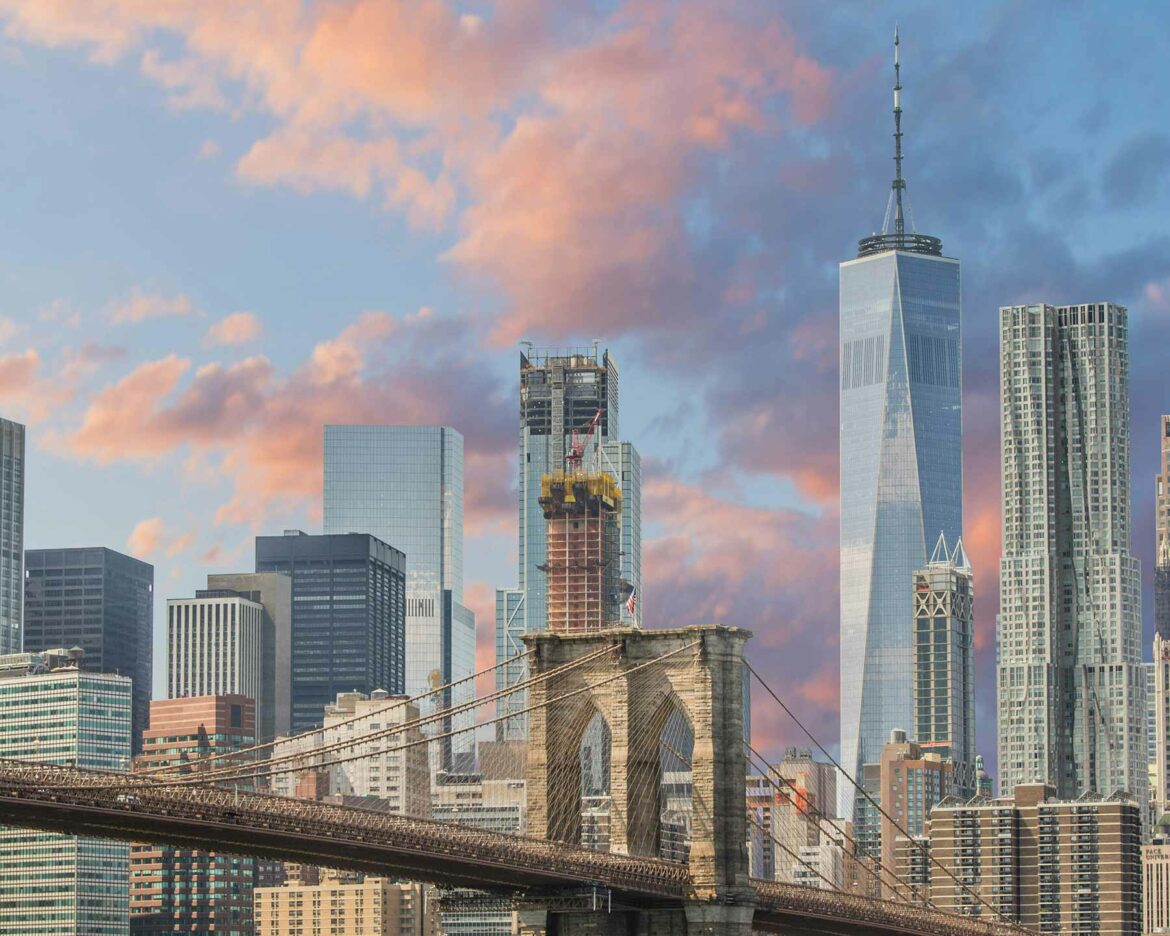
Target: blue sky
(677, 179)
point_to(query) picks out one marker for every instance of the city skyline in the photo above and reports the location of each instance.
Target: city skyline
(141, 423)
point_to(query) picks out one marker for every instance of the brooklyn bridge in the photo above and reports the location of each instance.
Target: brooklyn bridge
(668, 700)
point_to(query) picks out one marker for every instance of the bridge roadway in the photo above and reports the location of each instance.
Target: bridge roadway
(123, 807)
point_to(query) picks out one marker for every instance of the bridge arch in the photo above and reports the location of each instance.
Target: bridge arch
(650, 679)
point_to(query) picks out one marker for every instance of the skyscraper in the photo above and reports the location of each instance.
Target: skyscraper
(1070, 680)
(215, 647)
(11, 534)
(101, 601)
(349, 616)
(944, 662)
(901, 438)
(404, 485)
(273, 592)
(185, 890)
(1162, 538)
(54, 712)
(562, 394)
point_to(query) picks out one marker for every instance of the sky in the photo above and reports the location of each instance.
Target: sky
(226, 225)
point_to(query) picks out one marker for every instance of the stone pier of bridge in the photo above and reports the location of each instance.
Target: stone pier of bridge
(701, 675)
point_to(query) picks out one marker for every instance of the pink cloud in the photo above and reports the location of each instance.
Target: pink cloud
(140, 306)
(262, 429)
(151, 537)
(237, 328)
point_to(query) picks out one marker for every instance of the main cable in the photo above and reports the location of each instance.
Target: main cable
(925, 851)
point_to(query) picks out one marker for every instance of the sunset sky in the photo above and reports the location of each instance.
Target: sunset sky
(226, 224)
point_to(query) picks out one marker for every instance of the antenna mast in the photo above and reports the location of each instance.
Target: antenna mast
(899, 183)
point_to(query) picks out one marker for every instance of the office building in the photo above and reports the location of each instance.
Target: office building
(944, 662)
(901, 442)
(372, 907)
(1071, 691)
(404, 485)
(568, 421)
(623, 462)
(214, 647)
(492, 800)
(1160, 795)
(53, 711)
(349, 616)
(911, 782)
(273, 592)
(1068, 867)
(184, 890)
(11, 534)
(101, 601)
(815, 781)
(1162, 537)
(396, 771)
(1156, 888)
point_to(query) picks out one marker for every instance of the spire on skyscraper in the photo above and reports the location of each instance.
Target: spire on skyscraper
(898, 239)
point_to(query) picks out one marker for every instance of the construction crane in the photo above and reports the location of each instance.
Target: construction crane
(580, 440)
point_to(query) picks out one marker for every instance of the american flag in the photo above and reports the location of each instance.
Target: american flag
(632, 601)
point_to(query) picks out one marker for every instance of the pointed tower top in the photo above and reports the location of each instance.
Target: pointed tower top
(898, 239)
(959, 558)
(941, 555)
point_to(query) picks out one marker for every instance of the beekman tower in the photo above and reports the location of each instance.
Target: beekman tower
(901, 459)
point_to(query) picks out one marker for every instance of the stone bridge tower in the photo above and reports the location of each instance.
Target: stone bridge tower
(701, 676)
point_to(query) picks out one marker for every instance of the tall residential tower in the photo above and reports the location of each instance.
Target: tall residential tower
(901, 442)
(1070, 679)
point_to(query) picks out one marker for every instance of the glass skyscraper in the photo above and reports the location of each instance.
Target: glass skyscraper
(348, 619)
(52, 711)
(101, 601)
(901, 477)
(404, 485)
(11, 534)
(1071, 704)
(901, 451)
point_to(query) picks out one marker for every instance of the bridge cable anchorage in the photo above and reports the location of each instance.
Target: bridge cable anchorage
(402, 703)
(259, 768)
(768, 773)
(865, 793)
(263, 769)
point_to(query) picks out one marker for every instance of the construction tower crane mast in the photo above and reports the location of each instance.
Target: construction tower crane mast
(580, 439)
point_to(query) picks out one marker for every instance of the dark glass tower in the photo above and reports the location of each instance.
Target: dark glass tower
(348, 619)
(99, 600)
(901, 448)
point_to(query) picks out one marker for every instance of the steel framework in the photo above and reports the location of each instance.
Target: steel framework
(105, 805)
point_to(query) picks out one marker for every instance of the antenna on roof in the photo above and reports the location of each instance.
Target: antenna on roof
(899, 184)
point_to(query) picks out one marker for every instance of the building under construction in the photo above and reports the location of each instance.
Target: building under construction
(583, 513)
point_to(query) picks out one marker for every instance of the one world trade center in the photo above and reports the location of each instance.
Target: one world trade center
(901, 437)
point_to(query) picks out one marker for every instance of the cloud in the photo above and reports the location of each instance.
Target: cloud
(10, 329)
(140, 306)
(235, 329)
(262, 428)
(208, 149)
(151, 538)
(190, 84)
(708, 559)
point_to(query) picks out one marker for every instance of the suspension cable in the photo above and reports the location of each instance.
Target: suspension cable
(230, 772)
(924, 850)
(399, 703)
(766, 773)
(262, 768)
